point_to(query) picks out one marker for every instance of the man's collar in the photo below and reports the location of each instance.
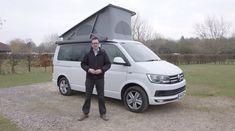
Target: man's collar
(96, 49)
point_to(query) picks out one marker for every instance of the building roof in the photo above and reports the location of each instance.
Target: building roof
(4, 47)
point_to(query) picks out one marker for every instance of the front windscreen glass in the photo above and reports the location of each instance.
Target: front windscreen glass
(139, 52)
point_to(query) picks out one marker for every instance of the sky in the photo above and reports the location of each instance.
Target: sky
(37, 19)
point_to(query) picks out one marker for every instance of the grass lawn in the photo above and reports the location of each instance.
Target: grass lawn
(7, 125)
(210, 79)
(23, 77)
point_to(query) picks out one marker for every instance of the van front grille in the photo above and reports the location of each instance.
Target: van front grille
(176, 78)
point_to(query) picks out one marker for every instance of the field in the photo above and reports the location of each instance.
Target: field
(22, 76)
(210, 80)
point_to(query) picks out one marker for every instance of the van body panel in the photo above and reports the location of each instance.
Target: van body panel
(158, 67)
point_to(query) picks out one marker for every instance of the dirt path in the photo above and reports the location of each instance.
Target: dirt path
(41, 107)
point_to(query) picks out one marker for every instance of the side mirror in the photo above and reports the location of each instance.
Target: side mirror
(119, 61)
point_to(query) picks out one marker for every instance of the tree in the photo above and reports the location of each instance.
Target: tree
(30, 45)
(48, 45)
(141, 30)
(212, 28)
(18, 46)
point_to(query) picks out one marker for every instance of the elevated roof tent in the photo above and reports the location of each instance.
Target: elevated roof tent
(111, 22)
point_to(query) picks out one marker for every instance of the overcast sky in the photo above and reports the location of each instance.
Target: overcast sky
(36, 19)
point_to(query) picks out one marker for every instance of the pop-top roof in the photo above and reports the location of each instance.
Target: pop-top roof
(110, 22)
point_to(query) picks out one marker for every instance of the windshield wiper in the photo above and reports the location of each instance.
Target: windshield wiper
(152, 60)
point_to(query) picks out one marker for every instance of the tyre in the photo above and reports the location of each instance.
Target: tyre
(135, 99)
(64, 87)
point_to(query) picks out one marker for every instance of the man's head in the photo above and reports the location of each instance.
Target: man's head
(95, 43)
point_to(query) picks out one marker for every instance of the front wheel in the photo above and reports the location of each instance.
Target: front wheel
(136, 99)
(64, 87)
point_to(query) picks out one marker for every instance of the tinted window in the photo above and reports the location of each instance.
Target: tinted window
(73, 52)
(112, 51)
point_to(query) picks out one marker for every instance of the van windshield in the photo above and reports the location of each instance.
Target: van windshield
(139, 52)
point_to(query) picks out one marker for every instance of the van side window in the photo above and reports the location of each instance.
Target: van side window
(112, 52)
(73, 52)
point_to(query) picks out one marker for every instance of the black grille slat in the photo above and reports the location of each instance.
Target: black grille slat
(170, 92)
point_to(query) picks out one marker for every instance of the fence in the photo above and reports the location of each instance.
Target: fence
(199, 58)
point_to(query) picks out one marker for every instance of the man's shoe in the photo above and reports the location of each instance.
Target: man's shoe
(104, 117)
(83, 117)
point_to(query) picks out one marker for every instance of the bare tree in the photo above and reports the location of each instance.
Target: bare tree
(141, 30)
(30, 46)
(212, 28)
(18, 47)
(48, 45)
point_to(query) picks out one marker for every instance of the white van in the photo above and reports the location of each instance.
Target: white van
(137, 75)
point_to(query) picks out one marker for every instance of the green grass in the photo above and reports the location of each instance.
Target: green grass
(7, 125)
(210, 79)
(23, 77)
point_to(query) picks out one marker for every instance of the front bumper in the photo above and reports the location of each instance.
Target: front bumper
(164, 100)
(163, 96)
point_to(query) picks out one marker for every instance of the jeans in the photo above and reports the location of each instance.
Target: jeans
(99, 84)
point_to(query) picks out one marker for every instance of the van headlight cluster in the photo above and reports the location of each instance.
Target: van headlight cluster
(158, 79)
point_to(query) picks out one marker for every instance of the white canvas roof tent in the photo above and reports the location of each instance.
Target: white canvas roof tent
(110, 22)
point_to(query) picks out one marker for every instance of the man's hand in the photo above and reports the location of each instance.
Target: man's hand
(98, 71)
(92, 71)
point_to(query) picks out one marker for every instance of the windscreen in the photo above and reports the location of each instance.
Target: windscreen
(139, 52)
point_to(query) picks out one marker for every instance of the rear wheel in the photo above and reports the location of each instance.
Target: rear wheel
(64, 87)
(136, 99)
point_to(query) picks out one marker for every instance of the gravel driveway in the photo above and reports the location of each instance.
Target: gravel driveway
(41, 107)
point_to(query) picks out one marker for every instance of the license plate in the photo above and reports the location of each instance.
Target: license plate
(180, 95)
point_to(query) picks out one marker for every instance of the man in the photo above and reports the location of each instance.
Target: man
(95, 63)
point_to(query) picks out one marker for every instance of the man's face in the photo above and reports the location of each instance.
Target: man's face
(95, 44)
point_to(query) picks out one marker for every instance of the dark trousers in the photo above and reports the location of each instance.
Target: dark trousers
(99, 84)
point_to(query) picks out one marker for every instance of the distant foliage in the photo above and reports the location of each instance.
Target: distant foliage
(193, 46)
(13, 60)
(199, 58)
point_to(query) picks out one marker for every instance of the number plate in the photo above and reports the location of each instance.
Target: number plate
(180, 95)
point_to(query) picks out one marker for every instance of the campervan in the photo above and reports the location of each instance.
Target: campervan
(137, 75)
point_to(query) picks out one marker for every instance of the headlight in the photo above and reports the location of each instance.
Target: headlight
(158, 79)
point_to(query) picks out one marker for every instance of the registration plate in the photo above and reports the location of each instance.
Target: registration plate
(180, 95)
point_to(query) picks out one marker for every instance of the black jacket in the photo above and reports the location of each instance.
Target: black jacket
(100, 61)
